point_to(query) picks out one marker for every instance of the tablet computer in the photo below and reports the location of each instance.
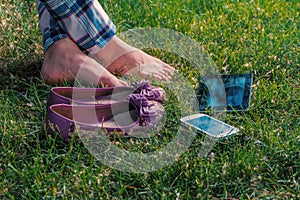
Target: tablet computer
(230, 92)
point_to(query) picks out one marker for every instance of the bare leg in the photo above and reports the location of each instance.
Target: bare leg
(63, 60)
(117, 56)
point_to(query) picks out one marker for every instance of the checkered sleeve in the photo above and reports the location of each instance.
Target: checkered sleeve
(83, 21)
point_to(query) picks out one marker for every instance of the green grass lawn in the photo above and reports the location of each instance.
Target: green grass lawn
(263, 162)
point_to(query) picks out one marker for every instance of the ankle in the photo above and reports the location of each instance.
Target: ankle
(61, 62)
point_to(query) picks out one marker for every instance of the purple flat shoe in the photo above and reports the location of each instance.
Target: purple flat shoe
(128, 117)
(75, 95)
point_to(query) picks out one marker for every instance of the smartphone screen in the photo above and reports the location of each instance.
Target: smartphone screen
(211, 126)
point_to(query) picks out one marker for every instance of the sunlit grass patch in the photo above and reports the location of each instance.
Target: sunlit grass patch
(261, 37)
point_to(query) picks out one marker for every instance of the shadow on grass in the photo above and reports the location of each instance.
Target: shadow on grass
(12, 72)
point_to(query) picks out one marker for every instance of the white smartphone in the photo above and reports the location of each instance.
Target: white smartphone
(209, 125)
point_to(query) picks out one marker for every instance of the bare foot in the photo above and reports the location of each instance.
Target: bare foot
(117, 56)
(64, 61)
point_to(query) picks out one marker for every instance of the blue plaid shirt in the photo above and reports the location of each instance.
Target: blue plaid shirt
(83, 21)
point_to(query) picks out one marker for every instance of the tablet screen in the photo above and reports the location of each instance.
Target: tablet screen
(220, 92)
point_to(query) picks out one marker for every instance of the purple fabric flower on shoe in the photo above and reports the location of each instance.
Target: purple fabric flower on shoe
(150, 92)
